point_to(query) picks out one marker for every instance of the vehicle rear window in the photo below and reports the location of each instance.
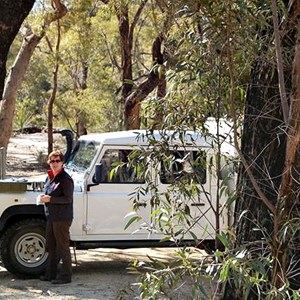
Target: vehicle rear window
(180, 165)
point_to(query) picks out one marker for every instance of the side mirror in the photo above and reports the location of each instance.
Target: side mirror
(98, 174)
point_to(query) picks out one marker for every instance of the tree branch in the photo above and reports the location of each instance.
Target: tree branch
(136, 18)
(282, 91)
(60, 11)
(293, 138)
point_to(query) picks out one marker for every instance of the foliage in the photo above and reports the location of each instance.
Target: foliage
(248, 267)
(211, 49)
(173, 216)
(26, 114)
(98, 115)
(159, 278)
(196, 91)
(90, 41)
(198, 75)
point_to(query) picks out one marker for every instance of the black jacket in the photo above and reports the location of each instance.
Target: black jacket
(60, 188)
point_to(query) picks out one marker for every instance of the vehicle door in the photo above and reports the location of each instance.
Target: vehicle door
(186, 176)
(78, 164)
(110, 203)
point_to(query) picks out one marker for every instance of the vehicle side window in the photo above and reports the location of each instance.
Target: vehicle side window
(119, 166)
(184, 164)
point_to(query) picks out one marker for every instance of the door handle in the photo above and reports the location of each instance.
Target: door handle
(198, 204)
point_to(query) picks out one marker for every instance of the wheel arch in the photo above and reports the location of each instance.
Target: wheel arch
(18, 213)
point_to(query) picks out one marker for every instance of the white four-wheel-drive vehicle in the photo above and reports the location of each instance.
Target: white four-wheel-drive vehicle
(114, 172)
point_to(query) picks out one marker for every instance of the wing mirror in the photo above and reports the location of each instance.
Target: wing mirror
(97, 176)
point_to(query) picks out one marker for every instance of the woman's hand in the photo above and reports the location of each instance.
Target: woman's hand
(45, 198)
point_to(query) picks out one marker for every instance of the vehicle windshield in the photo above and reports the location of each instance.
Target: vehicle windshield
(82, 155)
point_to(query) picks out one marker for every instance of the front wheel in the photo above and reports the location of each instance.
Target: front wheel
(23, 250)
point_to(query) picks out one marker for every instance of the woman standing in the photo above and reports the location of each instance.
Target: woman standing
(58, 200)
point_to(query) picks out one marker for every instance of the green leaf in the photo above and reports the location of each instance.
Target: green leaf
(133, 219)
(223, 239)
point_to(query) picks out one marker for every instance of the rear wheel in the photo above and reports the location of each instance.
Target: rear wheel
(23, 248)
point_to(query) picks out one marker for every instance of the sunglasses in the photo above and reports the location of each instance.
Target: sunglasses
(55, 161)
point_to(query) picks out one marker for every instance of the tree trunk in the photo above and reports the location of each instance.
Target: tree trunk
(272, 151)
(131, 99)
(159, 112)
(158, 57)
(263, 144)
(79, 77)
(126, 52)
(135, 98)
(54, 91)
(13, 83)
(12, 15)
(18, 71)
(156, 76)
(288, 196)
(131, 118)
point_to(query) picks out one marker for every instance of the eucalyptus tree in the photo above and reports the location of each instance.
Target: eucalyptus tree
(86, 100)
(231, 62)
(268, 178)
(93, 61)
(111, 40)
(264, 261)
(138, 84)
(17, 72)
(12, 15)
(198, 79)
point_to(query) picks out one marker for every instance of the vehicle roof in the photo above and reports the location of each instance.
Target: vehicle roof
(141, 137)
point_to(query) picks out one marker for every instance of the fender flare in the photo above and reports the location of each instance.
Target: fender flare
(27, 210)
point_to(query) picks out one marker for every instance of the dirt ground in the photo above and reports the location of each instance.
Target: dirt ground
(100, 274)
(26, 154)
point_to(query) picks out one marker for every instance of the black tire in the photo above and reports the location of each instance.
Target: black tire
(23, 250)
